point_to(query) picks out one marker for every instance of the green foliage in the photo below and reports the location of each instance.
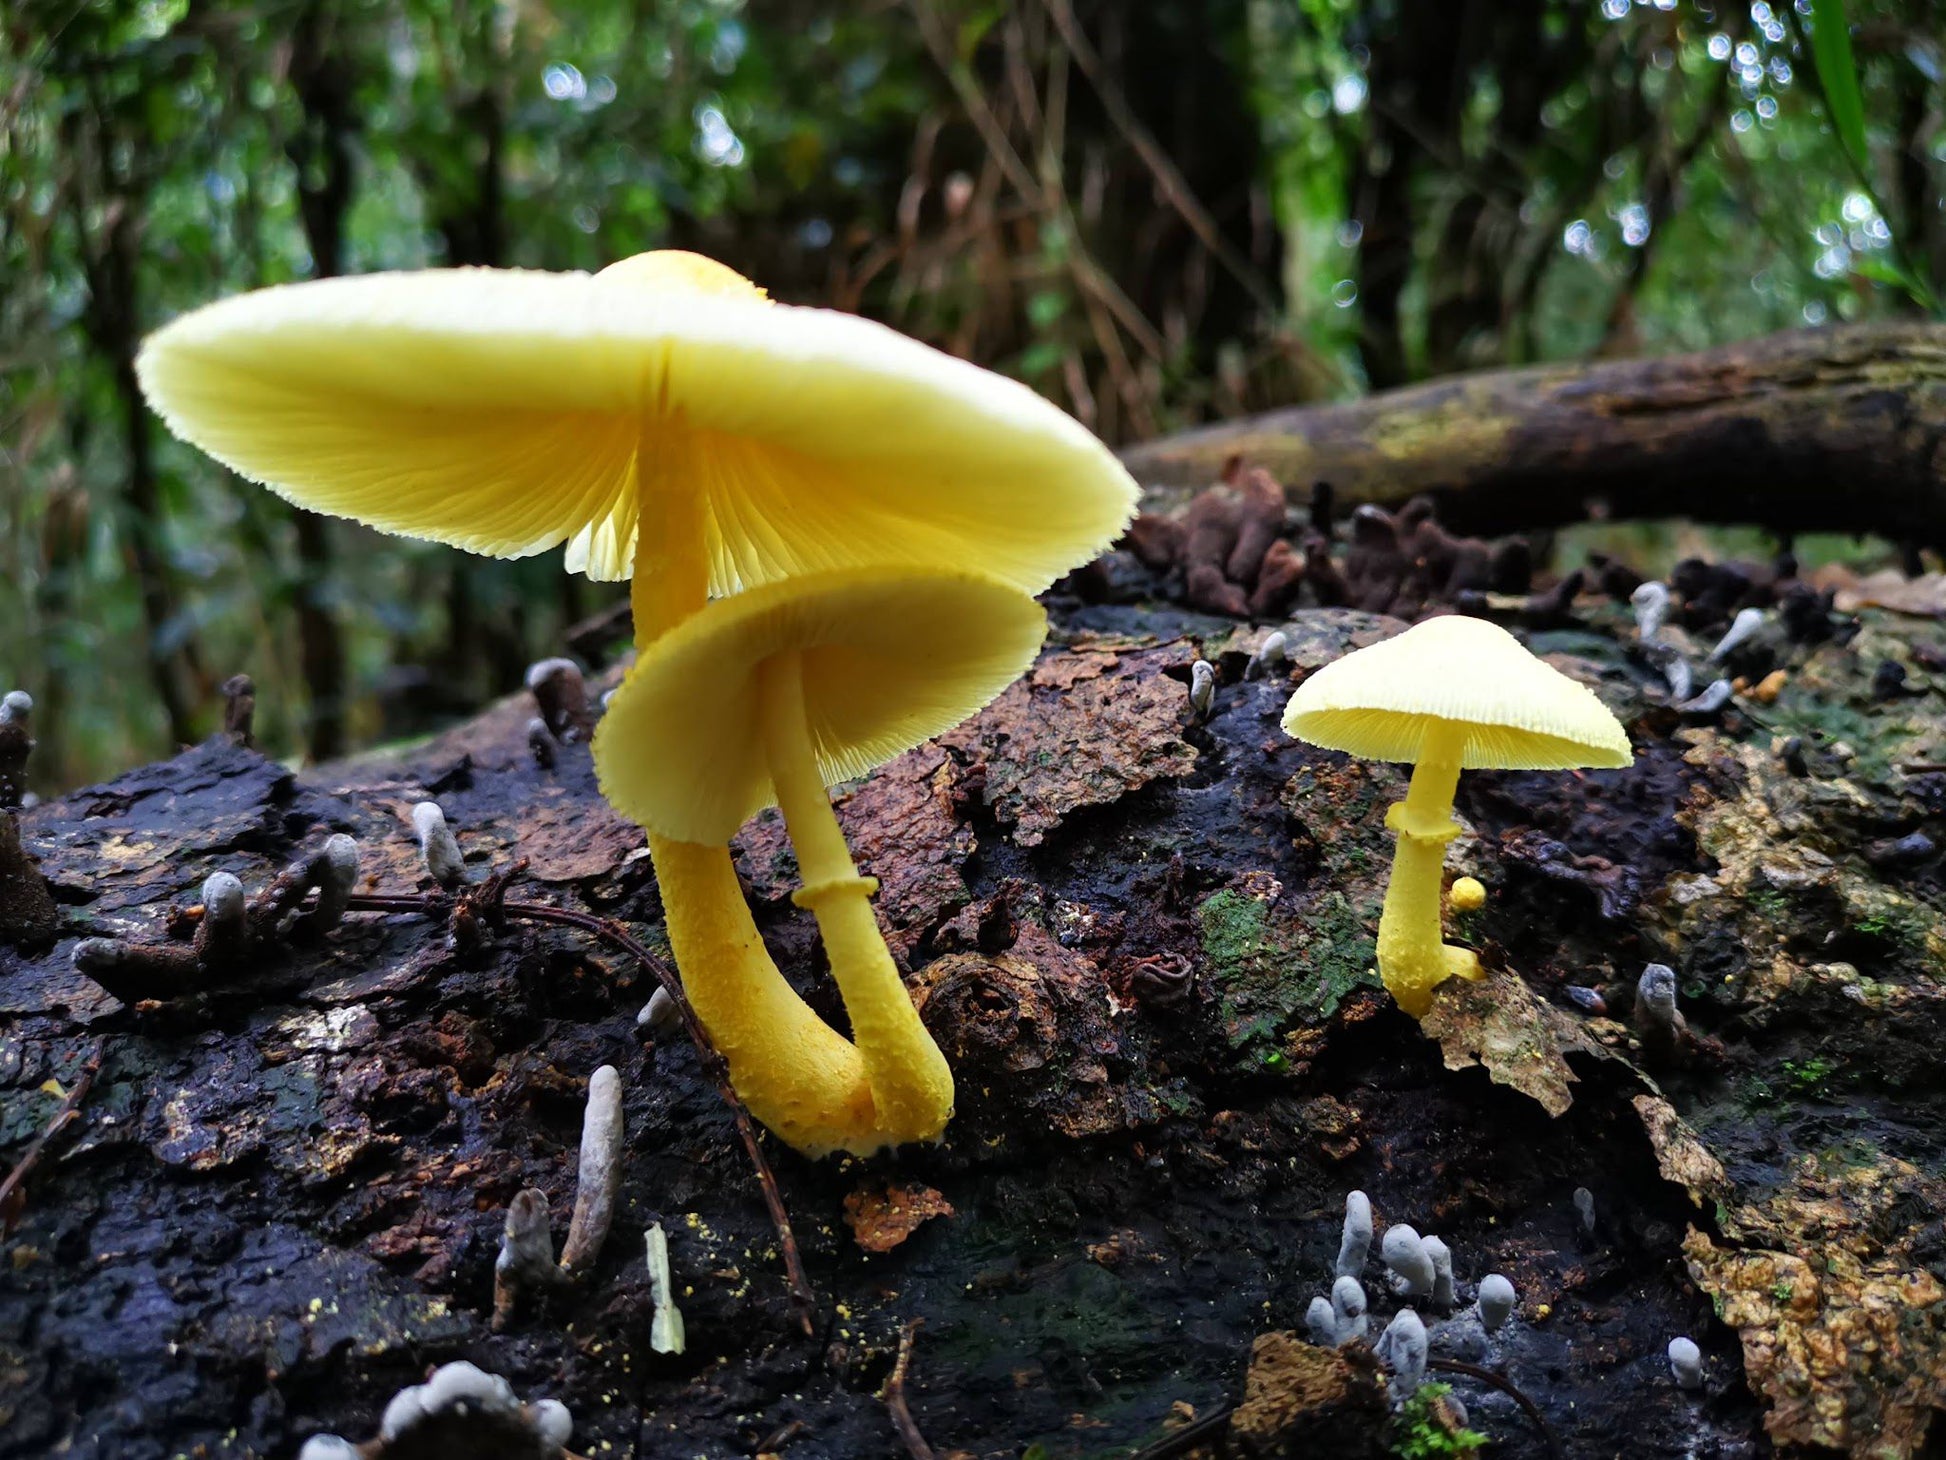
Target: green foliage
(1422, 1433)
(1810, 1076)
(1838, 76)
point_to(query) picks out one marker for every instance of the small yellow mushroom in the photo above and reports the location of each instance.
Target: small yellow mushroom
(1451, 693)
(1467, 894)
(768, 697)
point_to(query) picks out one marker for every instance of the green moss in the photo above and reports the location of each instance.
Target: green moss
(1811, 1076)
(1422, 1432)
(1876, 735)
(1274, 971)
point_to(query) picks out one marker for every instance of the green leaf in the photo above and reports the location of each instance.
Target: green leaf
(1890, 273)
(1838, 75)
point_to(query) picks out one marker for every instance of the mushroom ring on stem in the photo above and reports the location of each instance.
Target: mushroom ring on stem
(766, 698)
(1448, 695)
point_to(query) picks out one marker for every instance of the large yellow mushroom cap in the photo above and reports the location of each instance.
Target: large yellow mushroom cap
(1518, 712)
(891, 657)
(508, 411)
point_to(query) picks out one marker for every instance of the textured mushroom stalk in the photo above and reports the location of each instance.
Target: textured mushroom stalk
(797, 1075)
(911, 1086)
(1413, 956)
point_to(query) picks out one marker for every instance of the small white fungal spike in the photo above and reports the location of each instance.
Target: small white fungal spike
(659, 1014)
(1584, 1208)
(1496, 1302)
(1713, 697)
(1202, 687)
(526, 1243)
(1405, 1254)
(1674, 668)
(1651, 603)
(665, 1325)
(553, 1425)
(223, 902)
(1686, 1363)
(1442, 1271)
(1403, 1345)
(1348, 1308)
(16, 707)
(438, 846)
(338, 879)
(1655, 994)
(1268, 656)
(328, 1447)
(1322, 1323)
(601, 1170)
(1355, 1245)
(1741, 628)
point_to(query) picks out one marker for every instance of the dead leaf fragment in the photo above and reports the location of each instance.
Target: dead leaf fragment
(882, 1215)
(1924, 596)
(1680, 1154)
(1521, 1039)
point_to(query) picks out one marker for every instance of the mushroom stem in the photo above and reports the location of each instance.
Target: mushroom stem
(795, 1073)
(671, 578)
(1413, 957)
(911, 1086)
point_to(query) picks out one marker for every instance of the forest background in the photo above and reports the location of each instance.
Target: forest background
(1156, 214)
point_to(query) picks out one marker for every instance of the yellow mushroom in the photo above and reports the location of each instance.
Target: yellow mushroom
(1467, 894)
(1451, 694)
(766, 698)
(664, 421)
(661, 418)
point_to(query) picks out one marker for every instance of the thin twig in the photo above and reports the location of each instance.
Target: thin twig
(1213, 1426)
(894, 1397)
(1505, 1386)
(614, 933)
(12, 1191)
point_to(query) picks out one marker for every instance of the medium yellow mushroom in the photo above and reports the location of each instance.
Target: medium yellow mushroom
(1450, 694)
(766, 698)
(665, 422)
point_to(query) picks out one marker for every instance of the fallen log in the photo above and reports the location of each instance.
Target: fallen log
(1835, 429)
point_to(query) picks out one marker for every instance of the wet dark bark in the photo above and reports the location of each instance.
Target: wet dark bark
(1837, 430)
(1143, 940)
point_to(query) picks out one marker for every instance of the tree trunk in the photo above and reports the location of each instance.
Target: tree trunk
(1835, 430)
(320, 151)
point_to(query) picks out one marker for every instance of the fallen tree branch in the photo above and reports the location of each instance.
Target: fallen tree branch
(1813, 430)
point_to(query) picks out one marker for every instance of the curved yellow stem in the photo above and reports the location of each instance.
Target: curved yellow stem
(1413, 958)
(796, 1074)
(911, 1086)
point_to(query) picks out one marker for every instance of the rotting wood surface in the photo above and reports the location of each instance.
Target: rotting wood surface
(278, 1207)
(1835, 430)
